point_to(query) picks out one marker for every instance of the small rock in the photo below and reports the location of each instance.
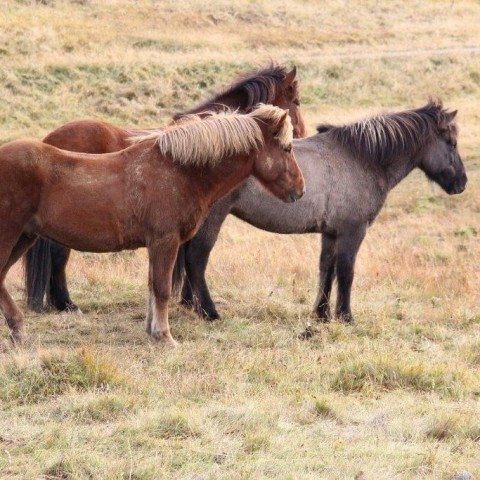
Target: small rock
(463, 476)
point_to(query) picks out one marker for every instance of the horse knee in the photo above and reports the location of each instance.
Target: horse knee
(161, 293)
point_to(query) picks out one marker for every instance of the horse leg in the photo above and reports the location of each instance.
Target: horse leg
(196, 259)
(59, 296)
(12, 313)
(37, 268)
(162, 256)
(321, 306)
(347, 249)
(186, 295)
(150, 307)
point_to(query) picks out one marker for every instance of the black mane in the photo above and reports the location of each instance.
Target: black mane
(385, 136)
(260, 86)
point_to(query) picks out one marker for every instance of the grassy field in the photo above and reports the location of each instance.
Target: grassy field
(395, 396)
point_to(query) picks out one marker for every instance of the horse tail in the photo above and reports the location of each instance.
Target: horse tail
(178, 275)
(37, 264)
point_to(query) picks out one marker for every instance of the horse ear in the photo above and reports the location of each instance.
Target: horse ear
(449, 116)
(446, 120)
(290, 76)
(281, 122)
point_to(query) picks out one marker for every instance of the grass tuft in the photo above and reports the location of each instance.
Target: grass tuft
(55, 374)
(254, 442)
(454, 425)
(389, 374)
(68, 468)
(104, 409)
(325, 410)
(172, 425)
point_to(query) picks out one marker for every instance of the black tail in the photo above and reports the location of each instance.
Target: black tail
(178, 276)
(37, 263)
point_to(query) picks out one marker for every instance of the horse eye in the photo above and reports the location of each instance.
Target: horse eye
(287, 149)
(296, 102)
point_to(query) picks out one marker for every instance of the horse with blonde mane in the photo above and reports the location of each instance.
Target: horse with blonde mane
(154, 194)
(45, 263)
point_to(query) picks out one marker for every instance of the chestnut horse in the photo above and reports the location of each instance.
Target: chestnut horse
(154, 194)
(349, 171)
(46, 261)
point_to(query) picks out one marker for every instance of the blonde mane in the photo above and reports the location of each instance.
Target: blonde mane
(205, 141)
(275, 115)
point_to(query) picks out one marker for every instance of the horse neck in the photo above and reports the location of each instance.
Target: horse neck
(220, 180)
(397, 169)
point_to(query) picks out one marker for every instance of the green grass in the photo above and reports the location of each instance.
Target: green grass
(357, 375)
(23, 382)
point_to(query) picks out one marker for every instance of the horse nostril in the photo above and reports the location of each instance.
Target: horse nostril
(296, 194)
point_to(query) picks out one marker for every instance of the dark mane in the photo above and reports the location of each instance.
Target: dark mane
(260, 86)
(324, 127)
(392, 135)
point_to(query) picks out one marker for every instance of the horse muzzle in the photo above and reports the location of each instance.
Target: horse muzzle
(458, 187)
(296, 194)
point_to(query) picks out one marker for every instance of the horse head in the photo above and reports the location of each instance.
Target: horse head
(271, 85)
(275, 166)
(440, 160)
(288, 98)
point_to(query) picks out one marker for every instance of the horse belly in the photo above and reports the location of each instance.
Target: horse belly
(86, 229)
(89, 237)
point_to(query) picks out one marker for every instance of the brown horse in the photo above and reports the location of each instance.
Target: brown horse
(154, 194)
(46, 261)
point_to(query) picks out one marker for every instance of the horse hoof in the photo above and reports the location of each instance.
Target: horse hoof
(348, 318)
(37, 307)
(186, 303)
(210, 316)
(322, 314)
(18, 339)
(72, 308)
(172, 343)
(166, 340)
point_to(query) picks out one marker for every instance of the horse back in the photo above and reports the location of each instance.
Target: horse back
(88, 136)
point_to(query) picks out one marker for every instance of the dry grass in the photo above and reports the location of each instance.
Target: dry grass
(394, 396)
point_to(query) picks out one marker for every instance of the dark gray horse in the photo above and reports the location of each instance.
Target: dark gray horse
(348, 171)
